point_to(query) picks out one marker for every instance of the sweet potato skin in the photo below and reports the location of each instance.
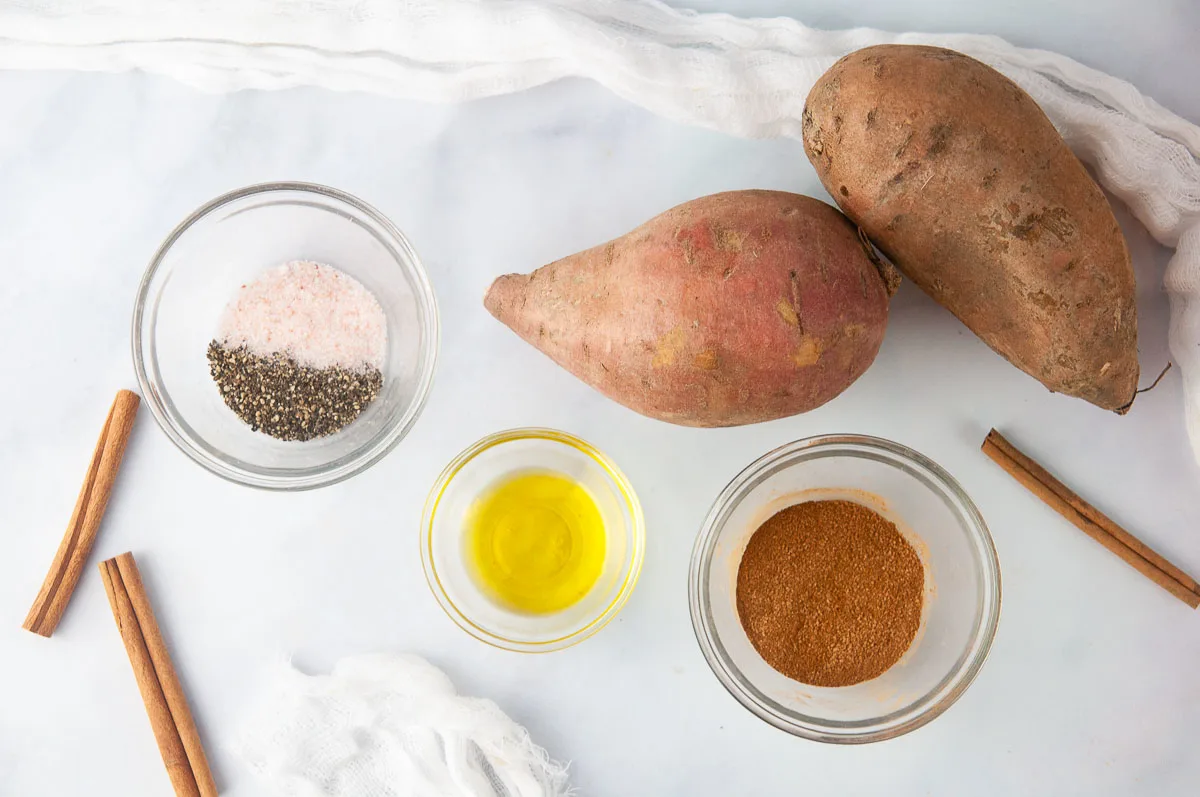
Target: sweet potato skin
(730, 309)
(956, 174)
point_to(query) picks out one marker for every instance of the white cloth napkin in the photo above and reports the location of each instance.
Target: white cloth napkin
(390, 726)
(746, 77)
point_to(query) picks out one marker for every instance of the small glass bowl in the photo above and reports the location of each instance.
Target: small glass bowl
(962, 587)
(198, 269)
(476, 470)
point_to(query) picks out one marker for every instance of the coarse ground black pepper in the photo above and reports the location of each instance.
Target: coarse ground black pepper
(830, 593)
(276, 395)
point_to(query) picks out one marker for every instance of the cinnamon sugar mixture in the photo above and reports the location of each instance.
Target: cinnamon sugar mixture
(830, 593)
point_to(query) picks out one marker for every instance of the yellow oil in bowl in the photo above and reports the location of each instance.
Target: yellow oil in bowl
(535, 542)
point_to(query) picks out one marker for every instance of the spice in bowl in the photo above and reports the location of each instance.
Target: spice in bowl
(299, 351)
(830, 593)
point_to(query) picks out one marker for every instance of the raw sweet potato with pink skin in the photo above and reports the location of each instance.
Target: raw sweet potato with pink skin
(956, 174)
(730, 309)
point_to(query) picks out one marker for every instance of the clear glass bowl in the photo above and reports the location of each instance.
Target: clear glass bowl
(194, 274)
(477, 469)
(962, 587)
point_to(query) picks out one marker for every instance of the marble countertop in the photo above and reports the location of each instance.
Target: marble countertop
(1091, 687)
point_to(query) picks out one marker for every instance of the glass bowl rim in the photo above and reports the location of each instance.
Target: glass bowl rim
(948, 690)
(633, 558)
(356, 462)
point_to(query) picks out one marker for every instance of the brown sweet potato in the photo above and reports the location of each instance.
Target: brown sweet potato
(957, 175)
(730, 309)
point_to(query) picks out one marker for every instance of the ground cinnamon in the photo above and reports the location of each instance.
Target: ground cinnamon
(830, 593)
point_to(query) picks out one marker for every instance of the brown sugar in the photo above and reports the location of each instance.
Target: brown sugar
(830, 593)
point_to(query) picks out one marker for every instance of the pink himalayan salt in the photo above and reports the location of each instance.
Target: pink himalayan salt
(314, 313)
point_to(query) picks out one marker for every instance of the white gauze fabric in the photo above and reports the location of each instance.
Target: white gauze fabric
(385, 725)
(746, 77)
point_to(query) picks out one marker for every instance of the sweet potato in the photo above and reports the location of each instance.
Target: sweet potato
(956, 174)
(730, 309)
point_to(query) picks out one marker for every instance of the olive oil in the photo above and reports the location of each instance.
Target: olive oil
(536, 542)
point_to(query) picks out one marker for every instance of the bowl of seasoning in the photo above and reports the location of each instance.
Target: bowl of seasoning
(532, 540)
(285, 336)
(845, 589)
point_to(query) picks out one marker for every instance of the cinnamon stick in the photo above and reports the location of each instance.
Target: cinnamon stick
(81, 532)
(1090, 520)
(171, 720)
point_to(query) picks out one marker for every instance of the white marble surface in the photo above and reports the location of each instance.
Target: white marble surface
(1092, 685)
